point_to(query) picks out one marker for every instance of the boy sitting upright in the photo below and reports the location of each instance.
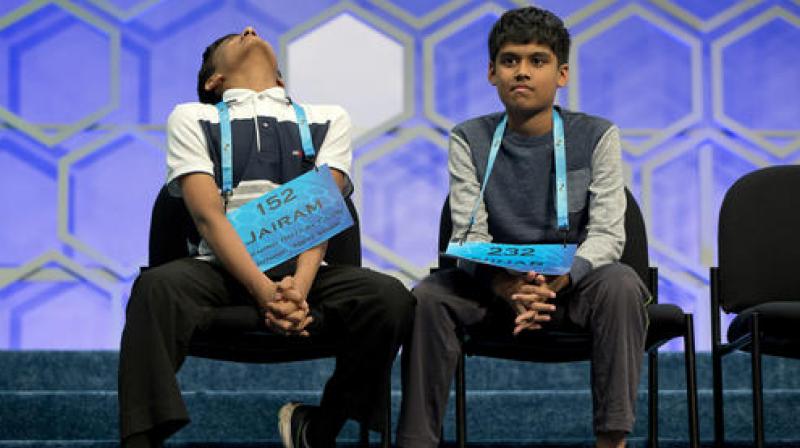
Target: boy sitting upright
(528, 54)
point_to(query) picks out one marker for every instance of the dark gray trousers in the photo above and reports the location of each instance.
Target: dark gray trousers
(609, 302)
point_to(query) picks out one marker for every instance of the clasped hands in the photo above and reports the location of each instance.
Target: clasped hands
(529, 296)
(288, 312)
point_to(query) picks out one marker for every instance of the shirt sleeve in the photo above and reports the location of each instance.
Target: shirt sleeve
(464, 191)
(605, 238)
(186, 148)
(337, 148)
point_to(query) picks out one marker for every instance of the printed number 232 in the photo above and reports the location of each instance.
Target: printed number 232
(511, 251)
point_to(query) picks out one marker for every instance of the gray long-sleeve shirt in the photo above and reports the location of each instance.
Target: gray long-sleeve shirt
(519, 201)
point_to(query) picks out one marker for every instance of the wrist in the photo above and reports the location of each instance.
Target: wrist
(560, 283)
(502, 284)
(263, 291)
(302, 285)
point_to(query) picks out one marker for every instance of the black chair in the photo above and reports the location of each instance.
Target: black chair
(169, 227)
(759, 245)
(666, 322)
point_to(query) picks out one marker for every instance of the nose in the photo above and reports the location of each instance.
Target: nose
(523, 70)
(249, 31)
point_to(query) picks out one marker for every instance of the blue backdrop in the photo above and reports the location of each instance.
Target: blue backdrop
(704, 92)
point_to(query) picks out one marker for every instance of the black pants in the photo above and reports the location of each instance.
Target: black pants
(368, 313)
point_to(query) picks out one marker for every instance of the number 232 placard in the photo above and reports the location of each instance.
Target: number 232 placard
(547, 259)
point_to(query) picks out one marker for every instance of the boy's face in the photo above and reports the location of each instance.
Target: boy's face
(234, 51)
(527, 76)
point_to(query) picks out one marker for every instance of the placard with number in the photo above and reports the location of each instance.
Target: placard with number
(546, 259)
(292, 218)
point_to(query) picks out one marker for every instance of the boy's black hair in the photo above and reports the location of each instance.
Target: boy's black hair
(207, 69)
(530, 25)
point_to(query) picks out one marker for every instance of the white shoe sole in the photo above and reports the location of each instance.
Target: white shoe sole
(285, 424)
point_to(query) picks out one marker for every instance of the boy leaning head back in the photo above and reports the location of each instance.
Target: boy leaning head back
(231, 61)
(528, 55)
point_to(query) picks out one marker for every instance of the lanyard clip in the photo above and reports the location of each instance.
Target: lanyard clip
(226, 195)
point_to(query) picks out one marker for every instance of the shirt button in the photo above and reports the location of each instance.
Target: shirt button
(265, 125)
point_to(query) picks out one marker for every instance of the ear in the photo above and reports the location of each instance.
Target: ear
(563, 75)
(214, 82)
(492, 75)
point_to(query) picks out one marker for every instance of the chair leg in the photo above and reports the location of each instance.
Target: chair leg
(758, 399)
(386, 435)
(719, 408)
(461, 404)
(363, 435)
(652, 398)
(691, 382)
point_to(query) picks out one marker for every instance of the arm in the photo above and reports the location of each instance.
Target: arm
(606, 229)
(522, 292)
(464, 190)
(309, 261)
(190, 174)
(205, 205)
(605, 238)
(336, 151)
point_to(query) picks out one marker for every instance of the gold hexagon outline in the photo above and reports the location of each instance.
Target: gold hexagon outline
(380, 26)
(717, 72)
(580, 14)
(64, 165)
(708, 24)
(425, 20)
(21, 11)
(407, 267)
(115, 49)
(428, 46)
(67, 265)
(659, 135)
(124, 14)
(647, 169)
(77, 272)
(627, 134)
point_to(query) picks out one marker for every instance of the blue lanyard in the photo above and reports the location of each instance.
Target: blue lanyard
(559, 151)
(227, 148)
(305, 131)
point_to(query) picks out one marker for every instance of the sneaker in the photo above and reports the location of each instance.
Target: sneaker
(292, 421)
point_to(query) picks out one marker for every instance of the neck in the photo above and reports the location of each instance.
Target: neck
(254, 74)
(531, 124)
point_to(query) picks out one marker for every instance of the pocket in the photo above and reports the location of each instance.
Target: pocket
(578, 189)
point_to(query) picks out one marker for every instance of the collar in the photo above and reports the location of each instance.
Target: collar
(237, 95)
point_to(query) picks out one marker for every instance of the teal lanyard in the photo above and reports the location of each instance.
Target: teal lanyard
(559, 151)
(227, 148)
(305, 131)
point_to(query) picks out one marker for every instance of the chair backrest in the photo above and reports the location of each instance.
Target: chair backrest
(634, 254)
(171, 224)
(759, 239)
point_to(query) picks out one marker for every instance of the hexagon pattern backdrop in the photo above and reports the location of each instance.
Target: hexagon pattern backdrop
(704, 92)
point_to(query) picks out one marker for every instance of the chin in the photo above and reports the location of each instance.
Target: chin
(525, 109)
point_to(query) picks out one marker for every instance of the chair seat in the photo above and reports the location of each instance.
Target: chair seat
(778, 323)
(667, 321)
(258, 347)
(540, 346)
(236, 333)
